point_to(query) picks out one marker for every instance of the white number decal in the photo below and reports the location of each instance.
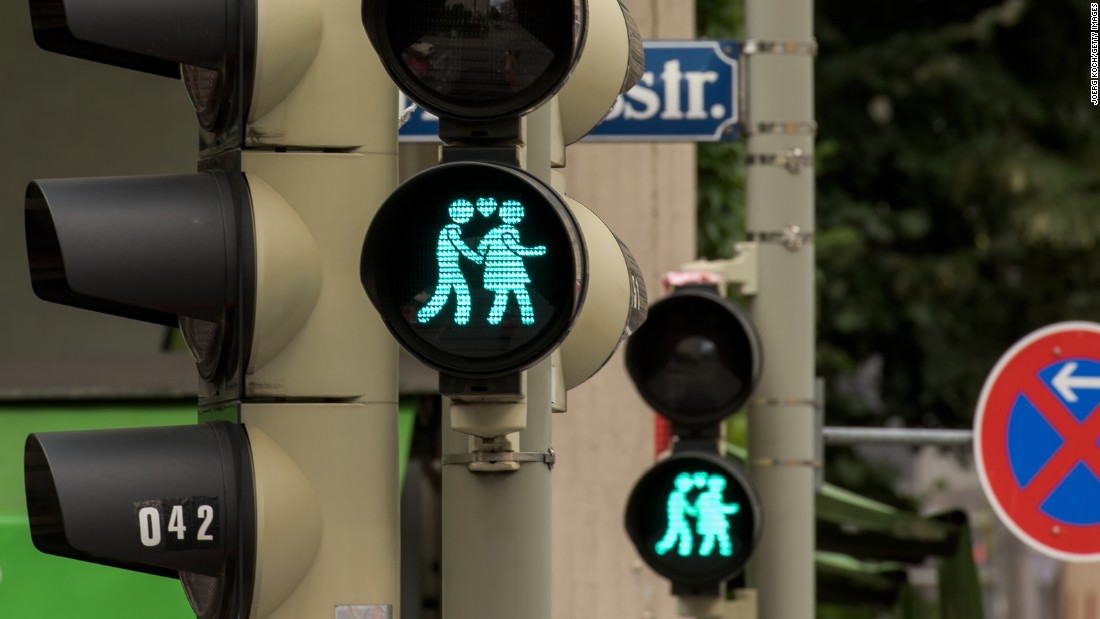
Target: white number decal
(206, 512)
(175, 522)
(149, 526)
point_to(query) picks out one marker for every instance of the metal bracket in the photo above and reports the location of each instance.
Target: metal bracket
(794, 48)
(751, 48)
(792, 237)
(548, 457)
(742, 269)
(813, 464)
(794, 159)
(791, 402)
(371, 611)
(788, 127)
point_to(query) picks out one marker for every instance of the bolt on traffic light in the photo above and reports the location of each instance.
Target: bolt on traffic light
(694, 517)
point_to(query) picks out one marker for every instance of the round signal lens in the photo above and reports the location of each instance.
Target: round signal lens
(478, 59)
(476, 268)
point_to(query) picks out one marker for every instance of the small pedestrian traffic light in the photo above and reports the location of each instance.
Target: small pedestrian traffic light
(695, 519)
(697, 358)
(477, 268)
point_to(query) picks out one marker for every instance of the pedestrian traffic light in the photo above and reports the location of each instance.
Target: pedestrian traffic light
(253, 256)
(479, 268)
(694, 517)
(697, 358)
(474, 266)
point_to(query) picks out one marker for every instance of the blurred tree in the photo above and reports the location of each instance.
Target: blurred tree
(958, 203)
(721, 186)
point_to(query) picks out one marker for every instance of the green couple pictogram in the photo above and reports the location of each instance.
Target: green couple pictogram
(499, 252)
(710, 512)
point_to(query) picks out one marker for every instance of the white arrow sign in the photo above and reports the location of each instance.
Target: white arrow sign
(1065, 382)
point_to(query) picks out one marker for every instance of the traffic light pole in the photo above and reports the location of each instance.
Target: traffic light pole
(496, 525)
(779, 121)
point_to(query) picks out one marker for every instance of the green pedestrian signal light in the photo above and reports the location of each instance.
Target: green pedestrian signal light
(695, 519)
(476, 268)
(710, 512)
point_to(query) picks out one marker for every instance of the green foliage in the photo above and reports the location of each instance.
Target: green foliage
(958, 198)
(721, 187)
(957, 193)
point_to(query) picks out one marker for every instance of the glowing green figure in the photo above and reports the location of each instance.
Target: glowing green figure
(679, 533)
(505, 273)
(447, 251)
(713, 523)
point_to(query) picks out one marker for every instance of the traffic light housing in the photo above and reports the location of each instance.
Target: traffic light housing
(478, 267)
(481, 270)
(612, 63)
(473, 61)
(694, 517)
(697, 358)
(193, 509)
(254, 258)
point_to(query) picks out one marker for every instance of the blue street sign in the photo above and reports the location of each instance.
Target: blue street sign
(689, 93)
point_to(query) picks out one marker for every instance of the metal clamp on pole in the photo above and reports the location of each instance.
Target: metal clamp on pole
(792, 237)
(373, 611)
(548, 457)
(802, 48)
(794, 159)
(775, 127)
(811, 463)
(754, 47)
(791, 402)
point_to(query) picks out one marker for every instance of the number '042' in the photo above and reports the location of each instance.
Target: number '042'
(175, 523)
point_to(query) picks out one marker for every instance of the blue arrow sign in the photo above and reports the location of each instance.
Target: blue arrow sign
(688, 93)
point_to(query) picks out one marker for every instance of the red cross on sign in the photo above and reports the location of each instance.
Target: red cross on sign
(1037, 440)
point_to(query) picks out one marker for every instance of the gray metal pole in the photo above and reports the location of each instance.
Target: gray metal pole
(496, 526)
(896, 436)
(779, 123)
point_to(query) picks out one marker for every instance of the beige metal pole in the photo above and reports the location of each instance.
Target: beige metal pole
(779, 123)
